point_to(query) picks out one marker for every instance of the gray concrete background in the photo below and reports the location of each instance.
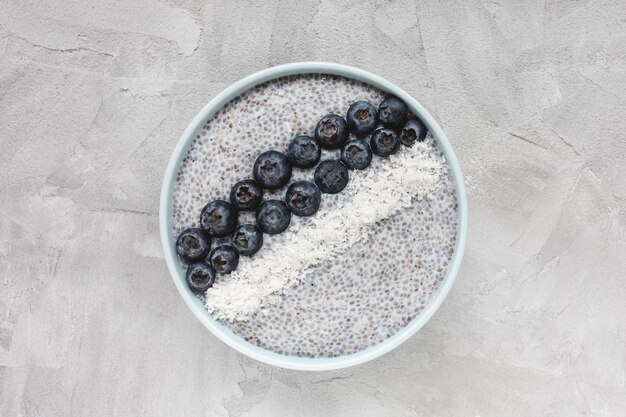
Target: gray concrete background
(93, 96)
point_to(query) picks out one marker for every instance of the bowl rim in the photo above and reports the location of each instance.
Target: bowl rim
(168, 238)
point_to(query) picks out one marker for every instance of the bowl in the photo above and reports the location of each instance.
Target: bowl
(168, 239)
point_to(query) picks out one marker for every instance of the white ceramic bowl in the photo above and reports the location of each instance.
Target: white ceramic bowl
(168, 239)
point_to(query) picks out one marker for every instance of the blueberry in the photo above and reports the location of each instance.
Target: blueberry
(414, 130)
(273, 217)
(200, 276)
(331, 177)
(303, 198)
(356, 154)
(384, 142)
(272, 170)
(246, 195)
(331, 131)
(362, 118)
(304, 152)
(248, 239)
(392, 112)
(193, 244)
(219, 218)
(224, 259)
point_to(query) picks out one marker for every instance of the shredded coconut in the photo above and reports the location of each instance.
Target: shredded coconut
(371, 196)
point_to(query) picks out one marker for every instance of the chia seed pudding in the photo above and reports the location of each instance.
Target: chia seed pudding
(348, 302)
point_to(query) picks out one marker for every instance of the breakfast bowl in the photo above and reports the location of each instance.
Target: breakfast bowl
(398, 231)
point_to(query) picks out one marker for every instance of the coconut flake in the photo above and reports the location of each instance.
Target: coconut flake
(413, 173)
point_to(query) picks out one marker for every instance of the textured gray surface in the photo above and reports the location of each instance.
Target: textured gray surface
(94, 94)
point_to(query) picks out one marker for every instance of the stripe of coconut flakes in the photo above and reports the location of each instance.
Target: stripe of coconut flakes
(373, 196)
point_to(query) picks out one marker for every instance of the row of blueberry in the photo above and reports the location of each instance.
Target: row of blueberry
(272, 170)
